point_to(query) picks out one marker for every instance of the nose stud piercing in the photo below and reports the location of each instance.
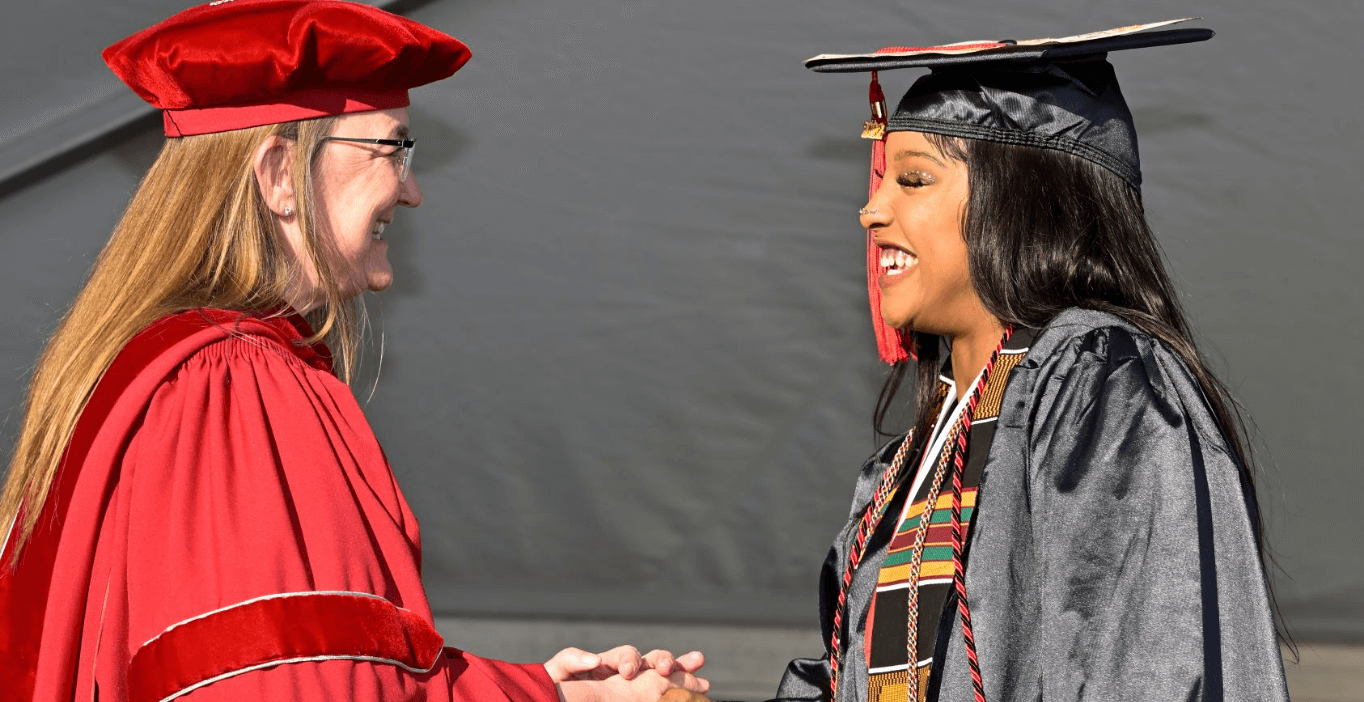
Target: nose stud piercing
(867, 211)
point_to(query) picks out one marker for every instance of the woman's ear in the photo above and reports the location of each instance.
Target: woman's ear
(273, 165)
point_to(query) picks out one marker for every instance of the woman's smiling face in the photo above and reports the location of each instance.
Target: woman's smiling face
(358, 189)
(916, 219)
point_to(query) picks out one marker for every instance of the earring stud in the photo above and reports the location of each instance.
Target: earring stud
(288, 210)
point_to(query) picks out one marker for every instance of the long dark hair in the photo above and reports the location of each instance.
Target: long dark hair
(1087, 245)
(1085, 242)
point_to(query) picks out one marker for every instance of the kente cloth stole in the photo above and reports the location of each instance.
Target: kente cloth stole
(887, 629)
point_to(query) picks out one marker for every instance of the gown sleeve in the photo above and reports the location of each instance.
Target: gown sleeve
(1151, 586)
(269, 552)
(808, 679)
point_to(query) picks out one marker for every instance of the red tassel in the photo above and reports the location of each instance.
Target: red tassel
(893, 345)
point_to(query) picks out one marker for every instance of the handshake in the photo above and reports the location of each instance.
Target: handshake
(623, 675)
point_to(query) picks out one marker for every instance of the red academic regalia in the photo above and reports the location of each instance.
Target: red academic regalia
(225, 526)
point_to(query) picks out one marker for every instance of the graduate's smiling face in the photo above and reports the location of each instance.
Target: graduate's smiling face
(916, 219)
(357, 191)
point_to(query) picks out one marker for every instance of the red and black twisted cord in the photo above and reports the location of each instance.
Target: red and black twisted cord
(876, 509)
(958, 537)
(885, 490)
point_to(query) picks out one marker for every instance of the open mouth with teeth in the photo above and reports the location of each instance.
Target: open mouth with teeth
(377, 233)
(896, 261)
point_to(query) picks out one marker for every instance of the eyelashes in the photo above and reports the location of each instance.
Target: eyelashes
(914, 179)
(910, 179)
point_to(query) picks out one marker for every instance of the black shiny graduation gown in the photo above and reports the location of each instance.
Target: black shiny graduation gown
(1112, 556)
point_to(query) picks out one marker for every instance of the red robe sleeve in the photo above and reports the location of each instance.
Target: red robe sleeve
(257, 547)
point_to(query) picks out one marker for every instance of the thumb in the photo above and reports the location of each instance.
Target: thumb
(570, 662)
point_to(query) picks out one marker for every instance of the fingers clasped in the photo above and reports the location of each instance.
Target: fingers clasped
(622, 674)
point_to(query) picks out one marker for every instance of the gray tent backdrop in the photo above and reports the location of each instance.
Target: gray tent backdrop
(627, 365)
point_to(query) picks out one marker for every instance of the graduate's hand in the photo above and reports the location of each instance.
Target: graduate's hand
(666, 664)
(679, 694)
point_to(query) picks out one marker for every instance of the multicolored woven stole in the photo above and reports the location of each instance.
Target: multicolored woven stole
(956, 439)
(903, 635)
(951, 462)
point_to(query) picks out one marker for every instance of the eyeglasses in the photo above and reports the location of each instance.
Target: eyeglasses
(407, 145)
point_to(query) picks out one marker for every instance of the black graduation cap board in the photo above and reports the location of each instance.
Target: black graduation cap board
(1050, 93)
(1059, 94)
(1134, 36)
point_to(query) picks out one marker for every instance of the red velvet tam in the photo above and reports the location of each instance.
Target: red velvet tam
(234, 64)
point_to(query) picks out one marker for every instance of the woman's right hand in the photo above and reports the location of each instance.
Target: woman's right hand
(648, 686)
(623, 675)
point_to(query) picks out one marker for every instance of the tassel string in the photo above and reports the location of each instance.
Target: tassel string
(891, 344)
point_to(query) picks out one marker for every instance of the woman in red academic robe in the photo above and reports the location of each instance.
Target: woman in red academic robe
(196, 505)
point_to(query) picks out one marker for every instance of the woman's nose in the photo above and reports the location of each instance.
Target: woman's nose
(411, 194)
(871, 216)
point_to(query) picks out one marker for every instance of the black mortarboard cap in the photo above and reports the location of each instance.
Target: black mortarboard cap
(1049, 93)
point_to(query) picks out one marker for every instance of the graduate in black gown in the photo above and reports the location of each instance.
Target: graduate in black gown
(1072, 515)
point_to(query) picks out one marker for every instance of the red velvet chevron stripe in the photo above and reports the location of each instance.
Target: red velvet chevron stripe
(278, 629)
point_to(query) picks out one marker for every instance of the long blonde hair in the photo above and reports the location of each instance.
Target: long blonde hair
(197, 233)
